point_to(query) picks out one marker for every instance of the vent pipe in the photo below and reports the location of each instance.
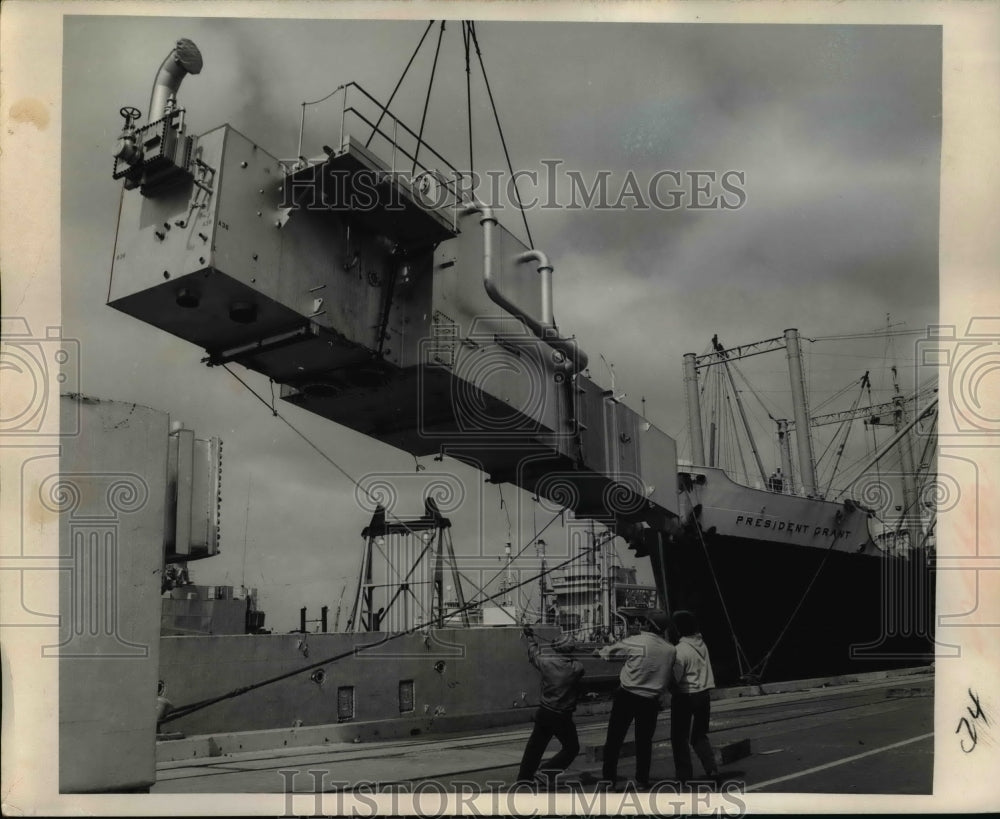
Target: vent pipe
(184, 59)
(544, 330)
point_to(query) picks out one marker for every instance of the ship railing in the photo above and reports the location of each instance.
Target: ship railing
(365, 121)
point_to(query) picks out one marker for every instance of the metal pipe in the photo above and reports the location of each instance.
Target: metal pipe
(694, 410)
(803, 435)
(184, 59)
(545, 270)
(546, 332)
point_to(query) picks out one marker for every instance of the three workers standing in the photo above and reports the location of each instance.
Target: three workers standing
(655, 672)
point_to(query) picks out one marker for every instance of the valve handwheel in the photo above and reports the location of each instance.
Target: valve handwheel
(129, 114)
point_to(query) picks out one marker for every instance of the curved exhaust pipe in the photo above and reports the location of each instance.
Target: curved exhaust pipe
(184, 59)
(545, 330)
(545, 271)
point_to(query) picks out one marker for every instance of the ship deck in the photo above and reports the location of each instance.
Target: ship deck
(873, 735)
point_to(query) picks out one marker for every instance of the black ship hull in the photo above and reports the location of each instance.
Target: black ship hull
(774, 605)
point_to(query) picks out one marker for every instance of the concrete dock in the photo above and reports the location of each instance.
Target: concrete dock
(872, 735)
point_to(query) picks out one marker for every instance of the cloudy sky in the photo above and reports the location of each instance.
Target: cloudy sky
(836, 129)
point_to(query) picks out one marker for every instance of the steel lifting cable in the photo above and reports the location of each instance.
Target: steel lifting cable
(503, 141)
(741, 656)
(427, 100)
(305, 438)
(320, 452)
(466, 40)
(402, 76)
(349, 477)
(186, 710)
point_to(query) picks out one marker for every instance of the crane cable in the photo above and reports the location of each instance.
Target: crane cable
(402, 76)
(357, 484)
(503, 141)
(313, 446)
(466, 41)
(427, 100)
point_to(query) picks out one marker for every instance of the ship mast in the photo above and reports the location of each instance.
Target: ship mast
(785, 444)
(911, 512)
(800, 408)
(694, 410)
(543, 591)
(739, 405)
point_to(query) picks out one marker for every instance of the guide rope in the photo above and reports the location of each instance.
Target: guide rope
(186, 710)
(762, 665)
(741, 657)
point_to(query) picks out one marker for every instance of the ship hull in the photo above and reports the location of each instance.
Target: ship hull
(791, 588)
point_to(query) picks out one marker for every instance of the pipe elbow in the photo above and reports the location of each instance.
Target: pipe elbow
(536, 256)
(183, 59)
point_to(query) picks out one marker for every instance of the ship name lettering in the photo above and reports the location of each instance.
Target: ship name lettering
(826, 531)
(771, 523)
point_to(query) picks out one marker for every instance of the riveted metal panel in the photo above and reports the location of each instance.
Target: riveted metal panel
(247, 238)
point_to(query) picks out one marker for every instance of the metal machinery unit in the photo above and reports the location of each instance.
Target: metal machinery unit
(386, 302)
(130, 494)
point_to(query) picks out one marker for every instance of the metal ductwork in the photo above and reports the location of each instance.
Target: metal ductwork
(184, 59)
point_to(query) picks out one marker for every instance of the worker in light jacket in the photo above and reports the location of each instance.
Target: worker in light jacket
(690, 704)
(554, 718)
(643, 680)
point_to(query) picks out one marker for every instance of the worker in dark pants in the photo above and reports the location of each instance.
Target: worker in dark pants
(554, 718)
(690, 704)
(643, 680)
